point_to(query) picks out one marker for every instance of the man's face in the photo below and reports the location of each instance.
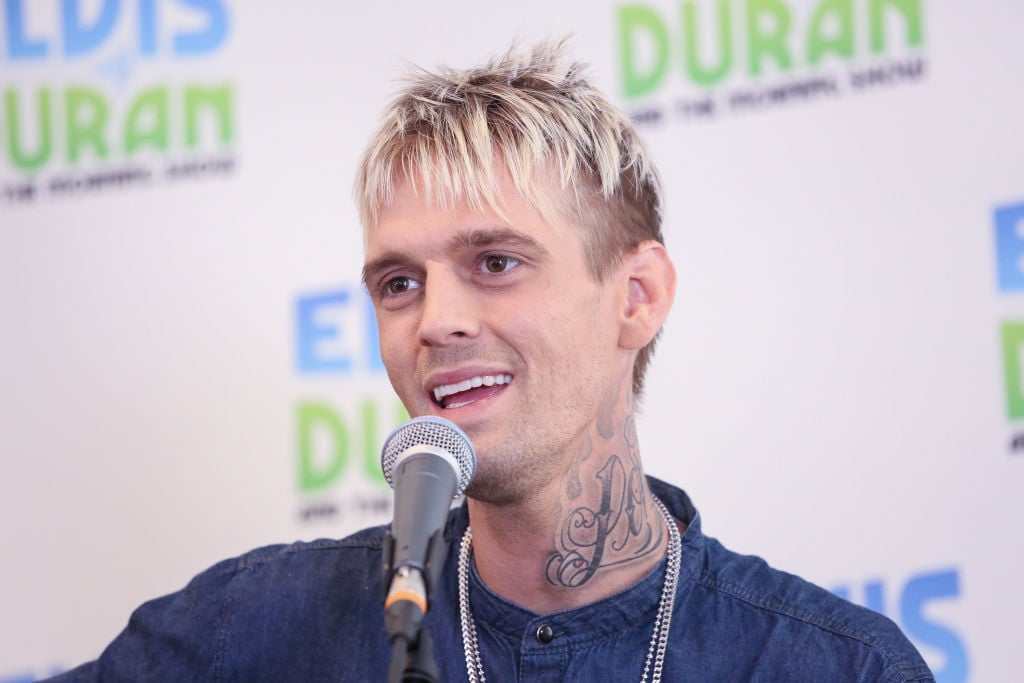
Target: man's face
(497, 325)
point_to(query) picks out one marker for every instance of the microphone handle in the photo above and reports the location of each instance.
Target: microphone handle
(425, 485)
(415, 550)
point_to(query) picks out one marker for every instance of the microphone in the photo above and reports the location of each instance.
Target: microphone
(428, 461)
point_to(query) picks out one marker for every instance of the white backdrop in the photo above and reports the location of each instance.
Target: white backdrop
(187, 364)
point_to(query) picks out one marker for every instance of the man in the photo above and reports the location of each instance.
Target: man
(515, 260)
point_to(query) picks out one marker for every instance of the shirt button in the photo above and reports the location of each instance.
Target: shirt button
(545, 634)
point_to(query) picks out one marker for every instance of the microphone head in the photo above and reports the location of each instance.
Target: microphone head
(435, 433)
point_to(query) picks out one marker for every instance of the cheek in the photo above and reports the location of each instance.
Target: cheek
(396, 351)
(570, 331)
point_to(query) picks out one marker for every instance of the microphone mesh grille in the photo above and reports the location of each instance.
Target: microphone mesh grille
(436, 432)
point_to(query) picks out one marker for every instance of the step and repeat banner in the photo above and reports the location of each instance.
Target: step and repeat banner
(189, 366)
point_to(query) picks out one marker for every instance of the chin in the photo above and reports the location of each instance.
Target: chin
(486, 492)
(502, 479)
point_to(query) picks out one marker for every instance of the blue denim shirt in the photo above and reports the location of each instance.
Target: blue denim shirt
(313, 612)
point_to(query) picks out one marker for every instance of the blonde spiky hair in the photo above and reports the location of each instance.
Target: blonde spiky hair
(536, 115)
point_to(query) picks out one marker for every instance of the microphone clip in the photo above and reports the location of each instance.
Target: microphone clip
(407, 588)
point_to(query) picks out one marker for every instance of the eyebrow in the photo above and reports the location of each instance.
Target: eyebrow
(491, 236)
(387, 260)
(466, 239)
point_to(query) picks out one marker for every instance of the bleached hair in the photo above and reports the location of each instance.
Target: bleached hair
(538, 116)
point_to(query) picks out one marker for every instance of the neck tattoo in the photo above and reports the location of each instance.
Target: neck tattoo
(662, 622)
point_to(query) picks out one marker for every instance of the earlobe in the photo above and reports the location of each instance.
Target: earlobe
(651, 289)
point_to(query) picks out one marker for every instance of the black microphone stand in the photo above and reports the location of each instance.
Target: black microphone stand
(413, 662)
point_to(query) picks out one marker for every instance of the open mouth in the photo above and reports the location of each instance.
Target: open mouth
(469, 390)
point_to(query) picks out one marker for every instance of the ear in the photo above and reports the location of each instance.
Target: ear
(651, 282)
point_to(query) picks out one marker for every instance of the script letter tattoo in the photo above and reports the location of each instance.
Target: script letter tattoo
(615, 533)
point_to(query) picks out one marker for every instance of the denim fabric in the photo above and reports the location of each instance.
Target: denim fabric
(313, 612)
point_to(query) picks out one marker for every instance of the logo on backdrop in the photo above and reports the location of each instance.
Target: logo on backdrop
(1009, 242)
(913, 605)
(700, 60)
(346, 409)
(110, 95)
(30, 676)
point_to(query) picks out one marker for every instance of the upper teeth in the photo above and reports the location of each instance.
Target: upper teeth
(467, 384)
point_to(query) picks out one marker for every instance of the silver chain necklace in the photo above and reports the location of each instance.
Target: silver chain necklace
(662, 622)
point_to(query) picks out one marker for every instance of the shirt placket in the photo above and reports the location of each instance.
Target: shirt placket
(544, 654)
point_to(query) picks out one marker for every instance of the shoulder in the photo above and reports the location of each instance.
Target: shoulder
(369, 540)
(779, 622)
(297, 563)
(783, 603)
(249, 611)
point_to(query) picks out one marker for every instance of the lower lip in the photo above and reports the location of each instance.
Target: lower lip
(468, 399)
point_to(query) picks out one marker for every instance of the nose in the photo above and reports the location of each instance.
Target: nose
(450, 308)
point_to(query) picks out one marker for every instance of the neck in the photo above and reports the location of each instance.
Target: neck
(590, 534)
